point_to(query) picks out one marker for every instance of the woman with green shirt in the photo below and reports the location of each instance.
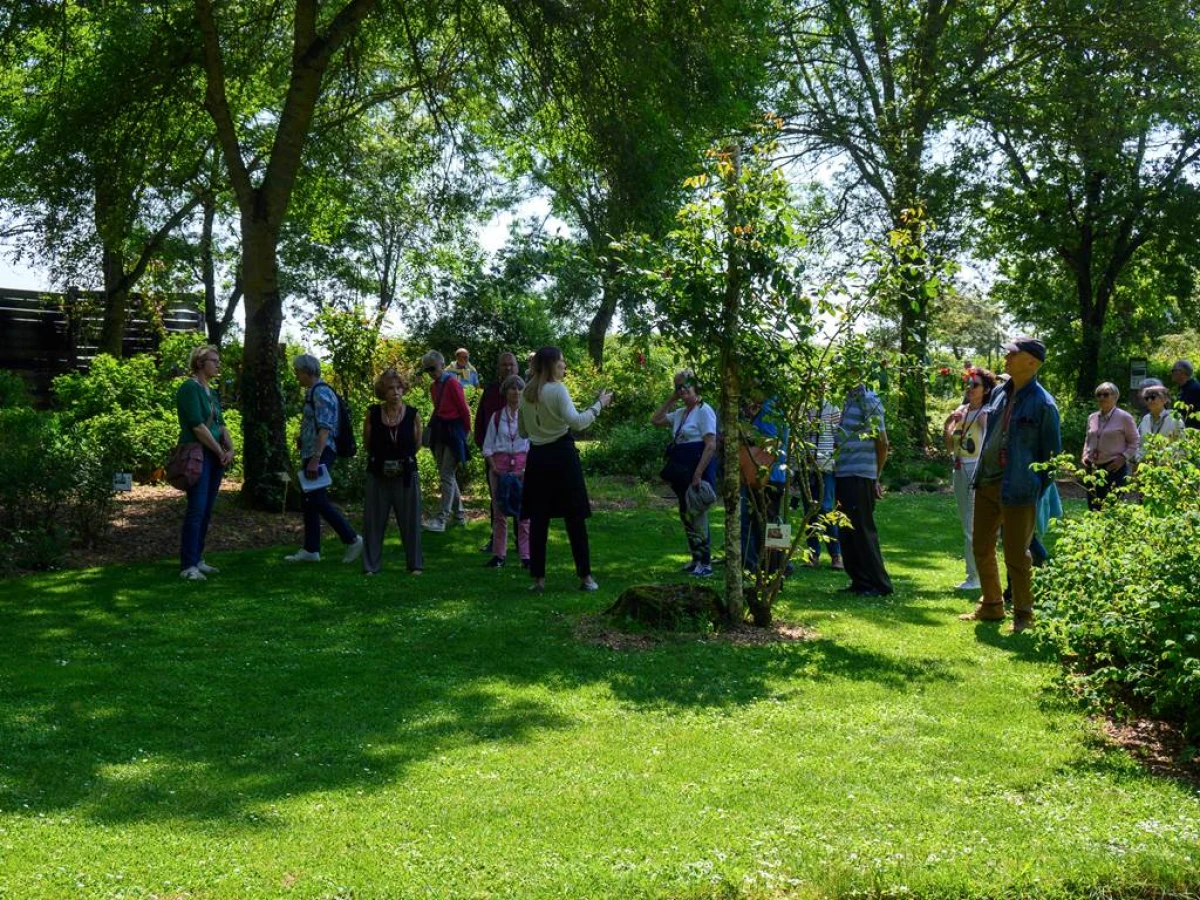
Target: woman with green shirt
(200, 419)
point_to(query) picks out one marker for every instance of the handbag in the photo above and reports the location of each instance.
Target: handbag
(185, 465)
(676, 470)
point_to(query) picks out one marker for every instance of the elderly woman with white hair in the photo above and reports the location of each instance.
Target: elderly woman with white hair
(317, 444)
(1110, 445)
(1159, 419)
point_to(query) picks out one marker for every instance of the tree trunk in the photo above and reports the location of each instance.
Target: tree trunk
(1091, 339)
(265, 456)
(602, 320)
(116, 303)
(914, 328)
(731, 389)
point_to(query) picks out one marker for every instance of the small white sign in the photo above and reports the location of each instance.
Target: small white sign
(123, 481)
(779, 537)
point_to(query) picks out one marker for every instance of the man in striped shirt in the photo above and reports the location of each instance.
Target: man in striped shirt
(862, 450)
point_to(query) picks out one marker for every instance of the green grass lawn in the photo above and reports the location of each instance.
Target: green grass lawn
(303, 731)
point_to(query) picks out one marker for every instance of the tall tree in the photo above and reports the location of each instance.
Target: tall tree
(1100, 142)
(873, 86)
(609, 101)
(288, 59)
(104, 146)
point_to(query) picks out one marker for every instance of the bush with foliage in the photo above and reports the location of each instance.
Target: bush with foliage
(629, 448)
(1117, 600)
(14, 392)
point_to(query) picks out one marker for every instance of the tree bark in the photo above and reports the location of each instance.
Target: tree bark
(731, 389)
(602, 320)
(265, 456)
(116, 303)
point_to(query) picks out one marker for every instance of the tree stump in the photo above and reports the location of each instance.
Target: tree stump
(674, 607)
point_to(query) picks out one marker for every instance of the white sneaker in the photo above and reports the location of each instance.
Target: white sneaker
(434, 525)
(353, 551)
(192, 573)
(303, 556)
(971, 584)
(702, 571)
(589, 584)
(206, 569)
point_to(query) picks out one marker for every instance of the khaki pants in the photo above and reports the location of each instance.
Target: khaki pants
(1017, 524)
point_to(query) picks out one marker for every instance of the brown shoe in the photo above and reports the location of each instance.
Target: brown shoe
(836, 563)
(1020, 623)
(985, 612)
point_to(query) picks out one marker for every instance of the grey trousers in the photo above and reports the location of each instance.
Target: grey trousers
(385, 497)
(452, 503)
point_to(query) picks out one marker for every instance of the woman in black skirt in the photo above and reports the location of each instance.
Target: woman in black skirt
(554, 486)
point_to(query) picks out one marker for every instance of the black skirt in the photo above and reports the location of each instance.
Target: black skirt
(554, 487)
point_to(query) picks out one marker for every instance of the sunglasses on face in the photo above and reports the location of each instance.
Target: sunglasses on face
(1103, 393)
(1155, 396)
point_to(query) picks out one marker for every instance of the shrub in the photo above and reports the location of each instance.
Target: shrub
(629, 448)
(14, 392)
(1118, 598)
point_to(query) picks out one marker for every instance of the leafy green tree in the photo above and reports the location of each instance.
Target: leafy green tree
(609, 103)
(102, 142)
(726, 290)
(875, 86)
(1100, 139)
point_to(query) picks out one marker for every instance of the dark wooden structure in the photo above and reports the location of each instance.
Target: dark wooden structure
(44, 334)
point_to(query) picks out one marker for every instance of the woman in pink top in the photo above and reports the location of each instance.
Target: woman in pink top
(1110, 444)
(505, 451)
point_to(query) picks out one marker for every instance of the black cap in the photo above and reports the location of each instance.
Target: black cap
(1030, 345)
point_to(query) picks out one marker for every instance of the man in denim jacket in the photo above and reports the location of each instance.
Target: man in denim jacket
(1022, 429)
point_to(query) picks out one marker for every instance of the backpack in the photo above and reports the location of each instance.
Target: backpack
(344, 440)
(347, 444)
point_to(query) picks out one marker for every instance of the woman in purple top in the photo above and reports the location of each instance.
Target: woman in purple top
(1110, 444)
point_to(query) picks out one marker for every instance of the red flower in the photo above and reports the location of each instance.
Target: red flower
(944, 370)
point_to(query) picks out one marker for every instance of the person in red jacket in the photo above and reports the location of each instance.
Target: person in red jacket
(448, 429)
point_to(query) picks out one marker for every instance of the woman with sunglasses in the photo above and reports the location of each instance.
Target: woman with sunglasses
(1159, 420)
(1111, 442)
(963, 434)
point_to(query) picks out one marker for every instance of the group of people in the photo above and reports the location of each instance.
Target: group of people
(1006, 426)
(524, 431)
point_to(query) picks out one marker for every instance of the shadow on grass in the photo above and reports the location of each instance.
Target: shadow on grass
(128, 695)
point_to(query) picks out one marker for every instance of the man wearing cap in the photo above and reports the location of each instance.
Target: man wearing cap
(1189, 391)
(1022, 429)
(463, 370)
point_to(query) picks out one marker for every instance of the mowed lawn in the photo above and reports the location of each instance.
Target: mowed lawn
(303, 731)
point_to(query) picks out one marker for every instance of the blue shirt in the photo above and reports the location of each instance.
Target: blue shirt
(862, 422)
(764, 423)
(320, 411)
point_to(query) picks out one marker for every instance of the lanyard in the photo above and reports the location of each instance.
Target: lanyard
(682, 422)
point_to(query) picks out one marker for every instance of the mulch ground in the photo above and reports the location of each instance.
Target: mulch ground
(147, 521)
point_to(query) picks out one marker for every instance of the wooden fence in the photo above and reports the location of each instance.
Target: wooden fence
(44, 334)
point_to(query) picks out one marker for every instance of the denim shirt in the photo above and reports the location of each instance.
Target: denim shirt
(320, 411)
(1033, 437)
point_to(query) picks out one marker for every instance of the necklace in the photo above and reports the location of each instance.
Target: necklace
(393, 427)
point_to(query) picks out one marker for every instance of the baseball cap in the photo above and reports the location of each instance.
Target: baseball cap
(1026, 344)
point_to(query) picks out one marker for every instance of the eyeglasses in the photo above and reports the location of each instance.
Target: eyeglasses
(1154, 395)
(1104, 393)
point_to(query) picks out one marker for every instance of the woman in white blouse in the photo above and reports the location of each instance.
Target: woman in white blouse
(1160, 420)
(691, 459)
(554, 486)
(506, 452)
(963, 433)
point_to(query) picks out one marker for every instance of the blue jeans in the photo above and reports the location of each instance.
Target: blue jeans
(828, 499)
(317, 506)
(200, 501)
